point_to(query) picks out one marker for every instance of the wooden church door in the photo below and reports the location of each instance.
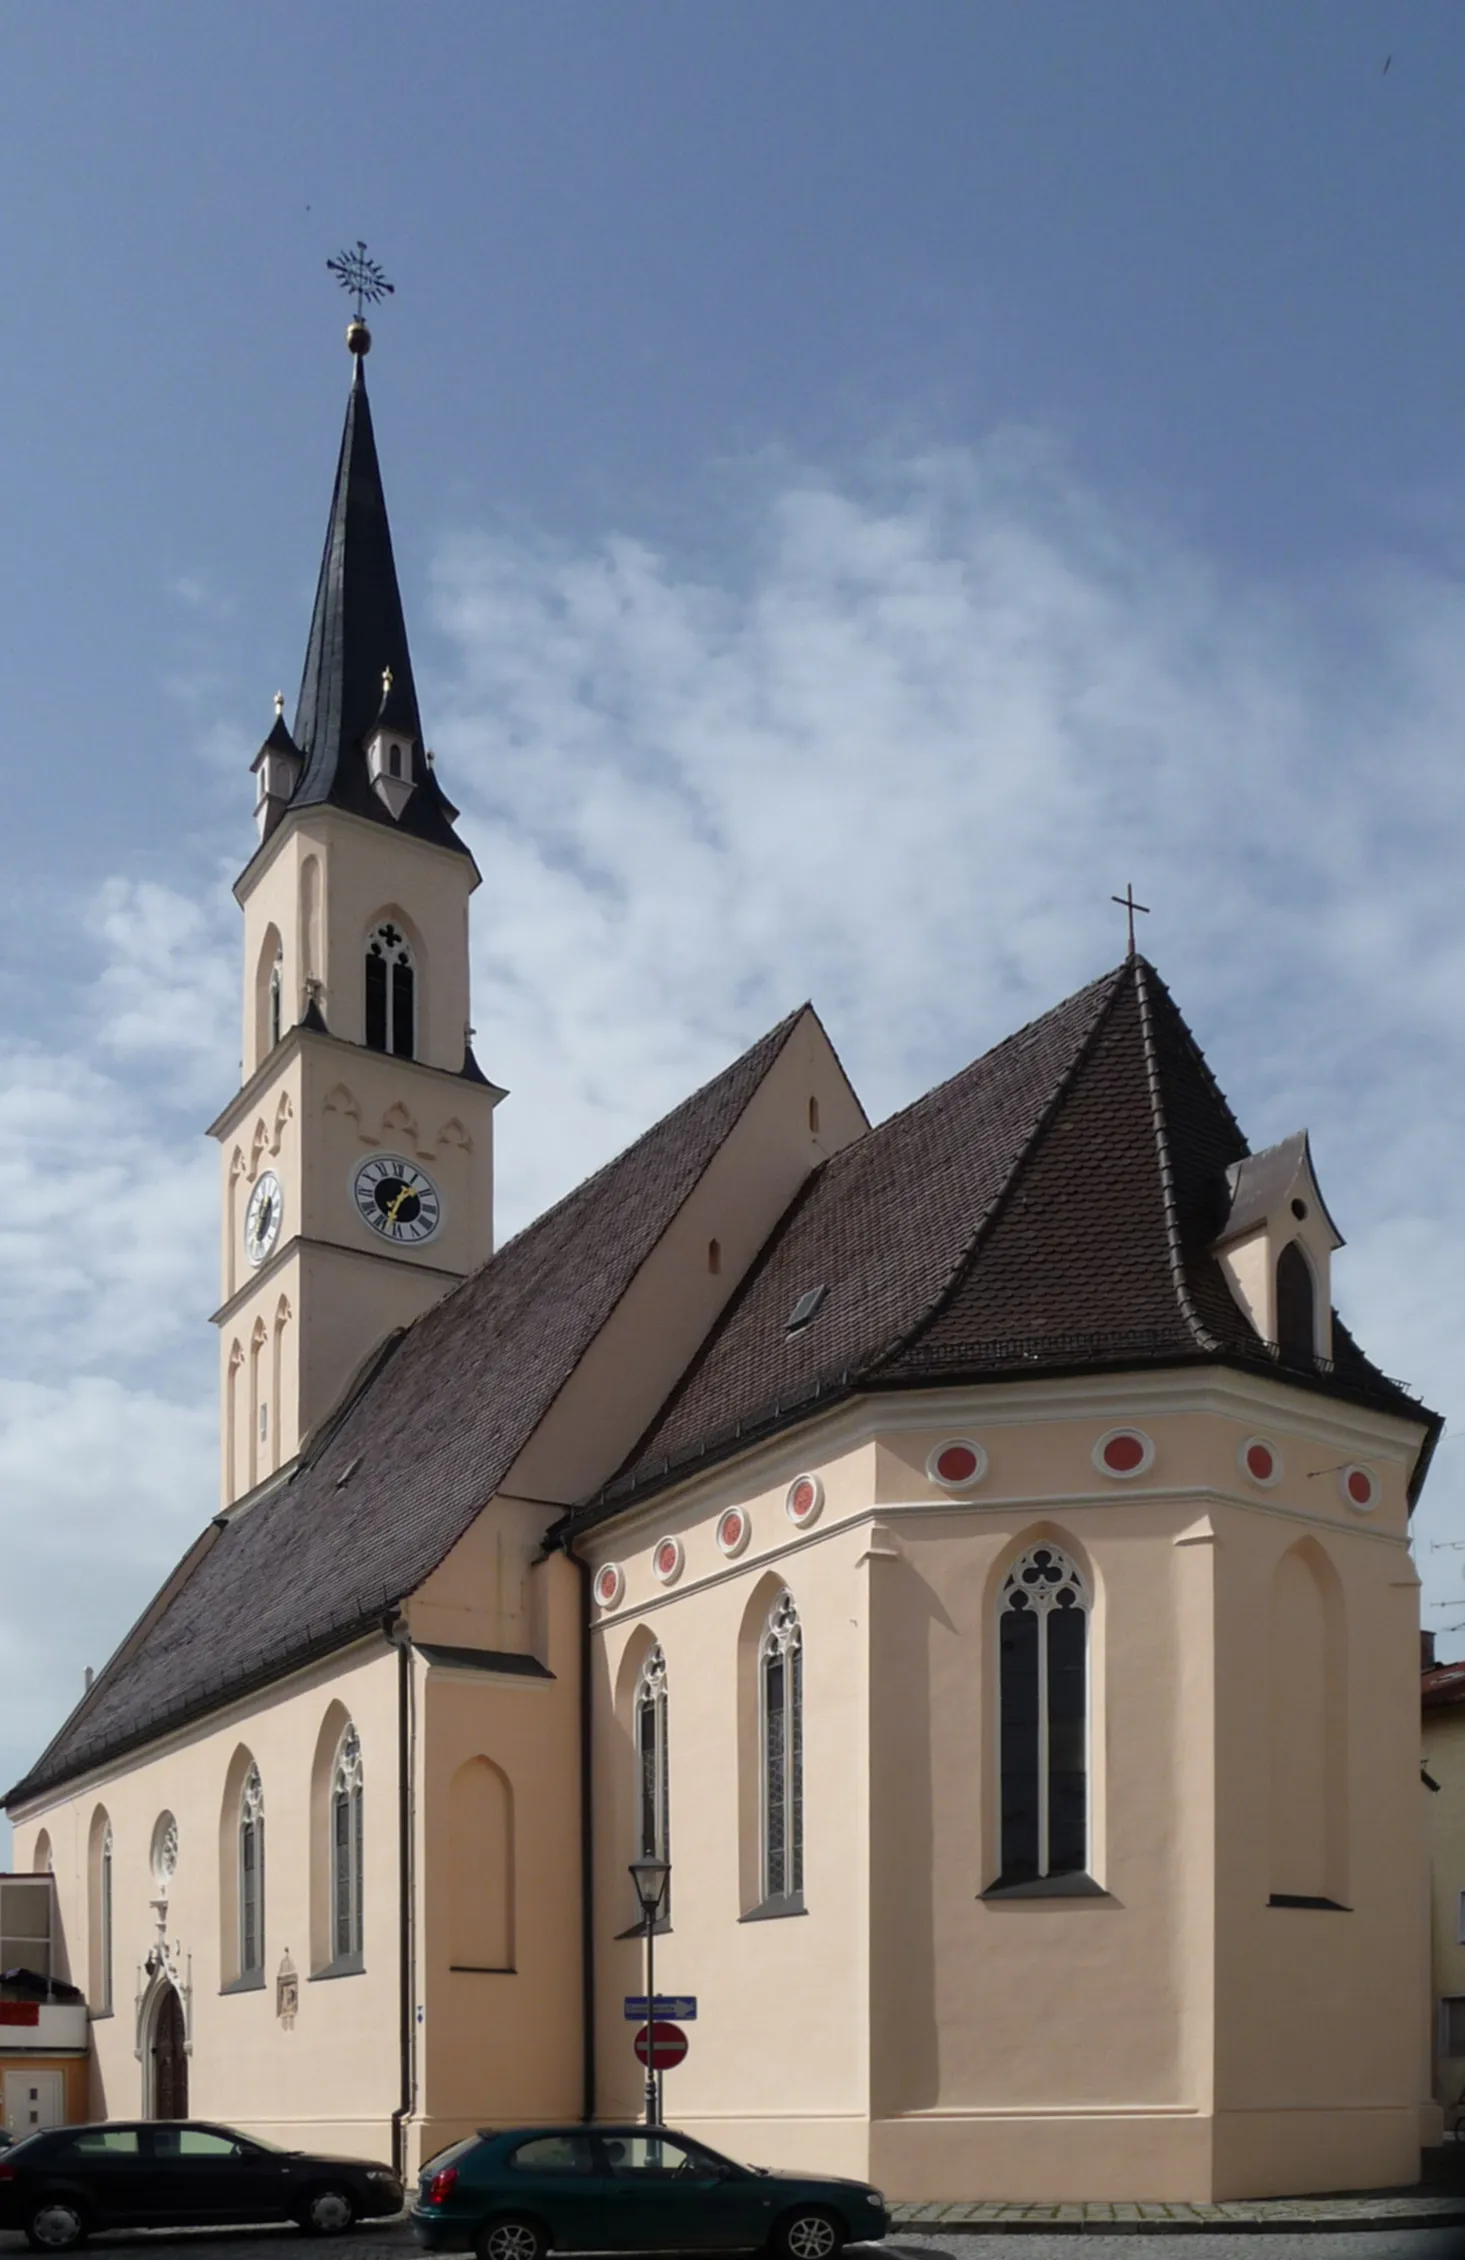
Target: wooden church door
(170, 2064)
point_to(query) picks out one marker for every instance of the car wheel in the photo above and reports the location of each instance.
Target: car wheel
(511, 2237)
(328, 2212)
(55, 2225)
(810, 2233)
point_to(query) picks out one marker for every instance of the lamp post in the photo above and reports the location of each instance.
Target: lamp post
(651, 1876)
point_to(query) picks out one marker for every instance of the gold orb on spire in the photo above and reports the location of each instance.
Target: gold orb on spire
(358, 337)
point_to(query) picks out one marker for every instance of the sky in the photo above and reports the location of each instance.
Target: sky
(868, 482)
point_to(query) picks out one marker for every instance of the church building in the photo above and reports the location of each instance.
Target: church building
(971, 1550)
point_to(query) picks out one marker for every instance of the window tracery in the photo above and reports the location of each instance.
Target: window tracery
(251, 1875)
(1043, 1713)
(781, 1703)
(347, 1847)
(391, 992)
(653, 1832)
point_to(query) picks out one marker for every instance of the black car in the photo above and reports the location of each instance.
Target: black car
(60, 2184)
(515, 2196)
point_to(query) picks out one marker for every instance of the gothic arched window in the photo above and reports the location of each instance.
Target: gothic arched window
(277, 999)
(251, 1875)
(102, 1978)
(1042, 1624)
(1296, 1331)
(653, 1813)
(347, 1845)
(391, 999)
(781, 1707)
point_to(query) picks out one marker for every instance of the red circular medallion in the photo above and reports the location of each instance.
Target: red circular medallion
(956, 1463)
(732, 1530)
(608, 1585)
(1259, 1462)
(1124, 1453)
(802, 1499)
(1360, 1486)
(668, 1558)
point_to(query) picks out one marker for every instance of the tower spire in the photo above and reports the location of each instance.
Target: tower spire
(358, 633)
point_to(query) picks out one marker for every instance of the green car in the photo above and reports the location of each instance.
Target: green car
(518, 2195)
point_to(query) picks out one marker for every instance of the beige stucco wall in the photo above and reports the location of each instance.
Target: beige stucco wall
(333, 2079)
(1176, 2038)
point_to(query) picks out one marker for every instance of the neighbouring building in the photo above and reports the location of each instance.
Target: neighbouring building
(44, 2037)
(1442, 1691)
(972, 1548)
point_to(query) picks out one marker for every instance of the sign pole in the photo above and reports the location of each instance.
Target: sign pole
(652, 2097)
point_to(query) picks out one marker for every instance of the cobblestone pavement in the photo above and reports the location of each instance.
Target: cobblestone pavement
(1396, 2227)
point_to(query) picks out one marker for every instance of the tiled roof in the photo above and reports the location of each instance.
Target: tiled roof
(1051, 1208)
(1443, 1685)
(426, 1443)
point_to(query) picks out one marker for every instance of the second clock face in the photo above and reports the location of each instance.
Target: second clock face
(262, 1217)
(397, 1199)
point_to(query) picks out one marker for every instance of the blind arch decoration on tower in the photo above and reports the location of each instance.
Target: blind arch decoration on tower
(1043, 1705)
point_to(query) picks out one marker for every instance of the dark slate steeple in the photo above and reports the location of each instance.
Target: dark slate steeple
(358, 635)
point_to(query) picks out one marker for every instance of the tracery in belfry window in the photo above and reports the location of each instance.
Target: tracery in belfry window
(347, 1847)
(1043, 1708)
(653, 1816)
(781, 1704)
(391, 999)
(251, 1875)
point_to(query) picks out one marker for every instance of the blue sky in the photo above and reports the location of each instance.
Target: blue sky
(867, 479)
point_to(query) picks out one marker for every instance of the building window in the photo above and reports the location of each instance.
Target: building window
(104, 1923)
(1296, 1327)
(1043, 1710)
(781, 1693)
(1452, 2025)
(1460, 1918)
(277, 1000)
(391, 1002)
(347, 1839)
(653, 1818)
(251, 1875)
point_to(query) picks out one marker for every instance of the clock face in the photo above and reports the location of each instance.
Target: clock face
(263, 1216)
(397, 1199)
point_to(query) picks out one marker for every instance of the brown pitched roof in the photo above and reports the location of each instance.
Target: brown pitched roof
(427, 1441)
(1441, 1686)
(1052, 1207)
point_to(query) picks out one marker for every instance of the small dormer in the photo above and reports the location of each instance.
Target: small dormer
(276, 769)
(390, 749)
(1276, 1249)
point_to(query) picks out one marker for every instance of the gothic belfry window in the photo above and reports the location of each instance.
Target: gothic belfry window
(391, 999)
(277, 999)
(781, 1701)
(1296, 1330)
(1043, 1707)
(251, 1875)
(653, 1828)
(347, 1847)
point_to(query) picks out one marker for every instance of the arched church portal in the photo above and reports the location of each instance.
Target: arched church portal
(167, 2057)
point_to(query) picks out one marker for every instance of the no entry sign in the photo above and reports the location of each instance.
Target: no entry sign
(668, 2043)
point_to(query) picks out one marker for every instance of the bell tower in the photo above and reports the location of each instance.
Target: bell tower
(356, 1159)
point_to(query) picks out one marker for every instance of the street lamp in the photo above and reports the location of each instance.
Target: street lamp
(651, 1877)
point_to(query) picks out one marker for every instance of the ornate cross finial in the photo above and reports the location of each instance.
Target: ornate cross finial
(364, 277)
(279, 706)
(1127, 902)
(386, 680)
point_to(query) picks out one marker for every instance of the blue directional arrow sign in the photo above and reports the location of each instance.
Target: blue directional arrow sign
(681, 2008)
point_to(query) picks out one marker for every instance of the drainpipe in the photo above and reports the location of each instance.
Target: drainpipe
(587, 1849)
(396, 1631)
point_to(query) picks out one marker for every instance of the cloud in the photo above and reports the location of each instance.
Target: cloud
(894, 750)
